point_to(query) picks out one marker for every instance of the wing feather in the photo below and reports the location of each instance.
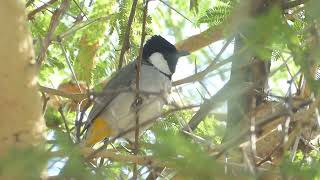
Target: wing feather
(119, 82)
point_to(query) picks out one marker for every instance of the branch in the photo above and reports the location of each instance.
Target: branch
(302, 115)
(138, 69)
(221, 95)
(149, 161)
(142, 160)
(57, 15)
(169, 6)
(143, 124)
(65, 123)
(81, 10)
(200, 75)
(74, 96)
(29, 2)
(39, 9)
(215, 33)
(22, 125)
(225, 93)
(69, 64)
(202, 39)
(81, 25)
(125, 45)
(292, 4)
(81, 96)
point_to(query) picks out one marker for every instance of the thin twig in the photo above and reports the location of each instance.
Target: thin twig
(74, 96)
(74, 77)
(78, 6)
(125, 45)
(295, 147)
(147, 122)
(289, 106)
(138, 71)
(143, 160)
(213, 65)
(175, 10)
(79, 121)
(81, 25)
(292, 4)
(310, 145)
(39, 9)
(29, 2)
(149, 160)
(223, 94)
(289, 71)
(205, 87)
(249, 161)
(253, 139)
(239, 138)
(263, 121)
(268, 157)
(65, 123)
(45, 101)
(57, 15)
(81, 96)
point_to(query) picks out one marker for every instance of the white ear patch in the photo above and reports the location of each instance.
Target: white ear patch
(159, 62)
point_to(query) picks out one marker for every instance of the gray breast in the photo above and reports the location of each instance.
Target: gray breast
(151, 80)
(120, 111)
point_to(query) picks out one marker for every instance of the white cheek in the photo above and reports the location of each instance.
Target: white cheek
(159, 62)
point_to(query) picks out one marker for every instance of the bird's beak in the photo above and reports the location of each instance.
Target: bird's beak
(182, 53)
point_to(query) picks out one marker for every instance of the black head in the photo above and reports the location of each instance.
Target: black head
(158, 44)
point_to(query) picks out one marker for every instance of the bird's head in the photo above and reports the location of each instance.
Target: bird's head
(162, 54)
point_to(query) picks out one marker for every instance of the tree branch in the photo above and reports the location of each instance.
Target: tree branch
(138, 68)
(74, 96)
(57, 15)
(215, 33)
(225, 93)
(202, 39)
(144, 160)
(169, 6)
(39, 9)
(74, 77)
(302, 115)
(22, 124)
(65, 123)
(81, 96)
(214, 65)
(81, 10)
(121, 134)
(292, 4)
(112, 155)
(125, 45)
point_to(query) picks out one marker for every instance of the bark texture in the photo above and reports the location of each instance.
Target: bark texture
(21, 122)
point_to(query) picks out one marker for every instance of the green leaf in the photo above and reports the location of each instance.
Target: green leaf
(215, 16)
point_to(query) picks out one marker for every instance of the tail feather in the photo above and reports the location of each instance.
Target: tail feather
(98, 130)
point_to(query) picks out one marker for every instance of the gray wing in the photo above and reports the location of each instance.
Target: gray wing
(121, 80)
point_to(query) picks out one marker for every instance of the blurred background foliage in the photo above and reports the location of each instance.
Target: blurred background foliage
(84, 44)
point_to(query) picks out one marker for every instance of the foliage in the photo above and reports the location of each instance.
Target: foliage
(85, 49)
(216, 15)
(29, 162)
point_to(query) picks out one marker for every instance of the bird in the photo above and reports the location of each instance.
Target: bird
(113, 113)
